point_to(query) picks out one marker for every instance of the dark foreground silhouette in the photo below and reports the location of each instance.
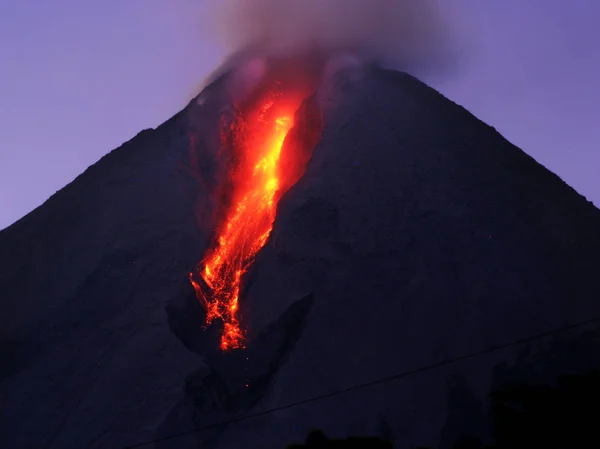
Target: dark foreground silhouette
(564, 416)
(318, 440)
(523, 417)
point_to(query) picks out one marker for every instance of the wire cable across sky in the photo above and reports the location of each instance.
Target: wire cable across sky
(371, 383)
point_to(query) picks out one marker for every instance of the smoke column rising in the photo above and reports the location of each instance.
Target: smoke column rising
(404, 34)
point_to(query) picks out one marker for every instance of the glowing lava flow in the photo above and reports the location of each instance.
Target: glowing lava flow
(248, 222)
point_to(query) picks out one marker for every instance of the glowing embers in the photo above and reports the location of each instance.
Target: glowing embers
(257, 186)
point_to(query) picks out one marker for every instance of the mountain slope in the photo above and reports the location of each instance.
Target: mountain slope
(423, 236)
(417, 234)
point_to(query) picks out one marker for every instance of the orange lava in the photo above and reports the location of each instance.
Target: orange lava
(257, 185)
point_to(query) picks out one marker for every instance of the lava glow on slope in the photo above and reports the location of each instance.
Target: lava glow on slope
(258, 183)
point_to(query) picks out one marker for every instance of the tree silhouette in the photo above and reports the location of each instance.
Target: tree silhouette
(563, 416)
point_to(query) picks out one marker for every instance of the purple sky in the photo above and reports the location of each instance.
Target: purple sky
(80, 78)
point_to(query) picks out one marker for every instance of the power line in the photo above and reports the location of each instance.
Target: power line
(368, 384)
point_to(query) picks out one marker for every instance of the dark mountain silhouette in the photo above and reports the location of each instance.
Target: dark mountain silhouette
(417, 235)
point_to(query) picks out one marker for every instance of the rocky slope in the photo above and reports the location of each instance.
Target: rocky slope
(417, 235)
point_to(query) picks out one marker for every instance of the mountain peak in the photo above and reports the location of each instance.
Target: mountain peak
(417, 235)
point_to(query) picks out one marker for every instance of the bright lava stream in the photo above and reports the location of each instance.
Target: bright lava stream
(249, 220)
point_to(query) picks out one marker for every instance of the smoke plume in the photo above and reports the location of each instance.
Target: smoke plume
(401, 33)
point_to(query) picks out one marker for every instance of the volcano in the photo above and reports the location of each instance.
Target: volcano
(405, 258)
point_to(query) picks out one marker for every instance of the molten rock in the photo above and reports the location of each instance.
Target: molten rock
(415, 234)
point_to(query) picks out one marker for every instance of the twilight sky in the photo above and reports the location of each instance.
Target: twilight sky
(78, 78)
